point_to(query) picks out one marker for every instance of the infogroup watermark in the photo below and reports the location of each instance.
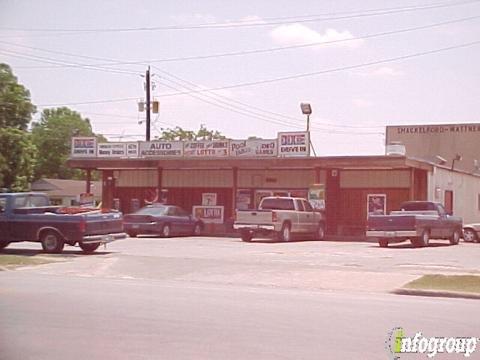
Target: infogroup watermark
(398, 343)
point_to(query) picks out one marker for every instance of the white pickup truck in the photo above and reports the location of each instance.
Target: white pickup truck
(282, 217)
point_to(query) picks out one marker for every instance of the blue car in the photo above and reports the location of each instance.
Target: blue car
(163, 220)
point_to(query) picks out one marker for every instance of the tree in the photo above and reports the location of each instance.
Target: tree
(52, 137)
(16, 108)
(17, 159)
(178, 133)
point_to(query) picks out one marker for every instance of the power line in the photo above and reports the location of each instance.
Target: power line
(256, 23)
(250, 113)
(291, 77)
(75, 65)
(238, 53)
(248, 107)
(328, 71)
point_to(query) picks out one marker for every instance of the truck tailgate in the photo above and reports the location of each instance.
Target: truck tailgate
(391, 222)
(254, 217)
(103, 223)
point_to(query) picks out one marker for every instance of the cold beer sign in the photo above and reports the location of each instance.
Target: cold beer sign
(293, 144)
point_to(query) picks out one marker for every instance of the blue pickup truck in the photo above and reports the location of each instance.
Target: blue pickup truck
(417, 221)
(30, 217)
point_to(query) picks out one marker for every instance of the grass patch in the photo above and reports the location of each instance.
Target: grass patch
(460, 283)
(12, 261)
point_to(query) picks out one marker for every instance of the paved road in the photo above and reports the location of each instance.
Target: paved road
(202, 298)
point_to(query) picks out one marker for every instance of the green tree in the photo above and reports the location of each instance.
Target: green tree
(178, 133)
(17, 159)
(52, 137)
(16, 108)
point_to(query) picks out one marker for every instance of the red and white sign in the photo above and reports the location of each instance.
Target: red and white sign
(209, 214)
(84, 147)
(293, 144)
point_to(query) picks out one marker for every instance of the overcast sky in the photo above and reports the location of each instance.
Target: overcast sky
(367, 64)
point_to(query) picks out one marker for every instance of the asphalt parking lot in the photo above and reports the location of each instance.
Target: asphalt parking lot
(357, 266)
(220, 298)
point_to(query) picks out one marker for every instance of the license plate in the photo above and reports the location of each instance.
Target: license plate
(390, 234)
(109, 238)
(135, 226)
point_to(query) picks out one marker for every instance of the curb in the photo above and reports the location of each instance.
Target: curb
(436, 293)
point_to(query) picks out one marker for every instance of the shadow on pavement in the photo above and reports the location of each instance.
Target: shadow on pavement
(410, 246)
(65, 253)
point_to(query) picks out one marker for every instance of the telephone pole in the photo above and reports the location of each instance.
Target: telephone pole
(147, 89)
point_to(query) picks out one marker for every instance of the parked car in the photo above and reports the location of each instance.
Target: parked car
(417, 221)
(30, 217)
(163, 220)
(280, 217)
(471, 232)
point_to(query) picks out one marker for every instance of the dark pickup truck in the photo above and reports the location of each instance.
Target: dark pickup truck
(29, 217)
(418, 221)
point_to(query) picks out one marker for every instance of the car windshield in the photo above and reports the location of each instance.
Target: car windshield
(277, 204)
(152, 210)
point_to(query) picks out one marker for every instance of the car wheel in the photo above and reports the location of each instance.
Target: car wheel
(132, 234)
(285, 234)
(383, 243)
(423, 240)
(246, 236)
(89, 248)
(166, 231)
(197, 229)
(3, 244)
(455, 238)
(52, 242)
(470, 235)
(320, 233)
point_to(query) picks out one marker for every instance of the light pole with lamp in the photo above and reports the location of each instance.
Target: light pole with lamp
(307, 110)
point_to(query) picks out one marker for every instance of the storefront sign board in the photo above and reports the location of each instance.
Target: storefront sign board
(84, 147)
(253, 148)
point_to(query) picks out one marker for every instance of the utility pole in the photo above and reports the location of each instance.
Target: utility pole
(147, 89)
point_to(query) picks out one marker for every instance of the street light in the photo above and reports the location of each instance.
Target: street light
(306, 110)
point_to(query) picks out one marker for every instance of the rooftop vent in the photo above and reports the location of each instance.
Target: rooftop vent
(395, 149)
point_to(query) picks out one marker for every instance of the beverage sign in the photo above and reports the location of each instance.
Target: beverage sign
(206, 148)
(84, 147)
(293, 144)
(253, 148)
(209, 214)
(111, 150)
(161, 148)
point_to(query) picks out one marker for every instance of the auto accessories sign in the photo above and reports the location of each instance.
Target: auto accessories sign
(161, 149)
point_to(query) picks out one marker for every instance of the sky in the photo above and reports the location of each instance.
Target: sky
(243, 68)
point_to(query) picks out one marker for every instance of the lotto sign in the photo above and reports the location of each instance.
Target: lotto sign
(293, 144)
(207, 148)
(84, 147)
(253, 148)
(209, 214)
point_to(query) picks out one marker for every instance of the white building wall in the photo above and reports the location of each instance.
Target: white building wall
(466, 192)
